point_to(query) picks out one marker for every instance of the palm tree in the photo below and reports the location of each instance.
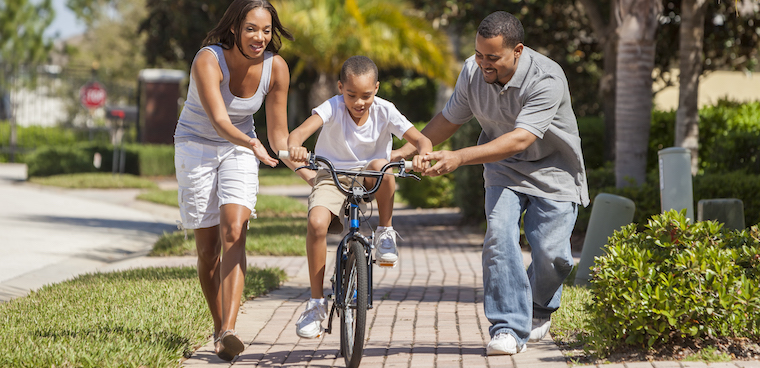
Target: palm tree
(327, 32)
(691, 39)
(633, 109)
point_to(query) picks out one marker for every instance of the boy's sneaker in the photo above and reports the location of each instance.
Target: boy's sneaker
(309, 325)
(504, 344)
(539, 328)
(386, 253)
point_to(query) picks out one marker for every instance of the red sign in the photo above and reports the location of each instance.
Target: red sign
(92, 95)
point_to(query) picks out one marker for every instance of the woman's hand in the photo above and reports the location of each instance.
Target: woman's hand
(261, 152)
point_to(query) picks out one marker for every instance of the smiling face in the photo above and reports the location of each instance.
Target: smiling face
(256, 32)
(497, 62)
(358, 94)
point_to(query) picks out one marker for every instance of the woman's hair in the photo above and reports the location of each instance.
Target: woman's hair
(233, 19)
(502, 24)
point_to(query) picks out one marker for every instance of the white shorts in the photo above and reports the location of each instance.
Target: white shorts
(211, 176)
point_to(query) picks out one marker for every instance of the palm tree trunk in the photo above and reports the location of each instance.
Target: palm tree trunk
(633, 106)
(324, 87)
(690, 56)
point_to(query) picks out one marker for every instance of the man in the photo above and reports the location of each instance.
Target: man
(533, 164)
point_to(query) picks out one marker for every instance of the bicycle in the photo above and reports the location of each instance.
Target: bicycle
(352, 280)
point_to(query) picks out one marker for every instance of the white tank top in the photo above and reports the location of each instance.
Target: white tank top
(194, 124)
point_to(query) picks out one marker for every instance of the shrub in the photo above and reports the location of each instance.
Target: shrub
(469, 191)
(675, 279)
(152, 159)
(646, 197)
(591, 131)
(141, 160)
(53, 160)
(430, 192)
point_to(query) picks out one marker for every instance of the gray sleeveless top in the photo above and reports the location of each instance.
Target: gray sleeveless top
(194, 124)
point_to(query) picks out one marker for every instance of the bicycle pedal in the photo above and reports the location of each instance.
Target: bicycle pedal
(386, 264)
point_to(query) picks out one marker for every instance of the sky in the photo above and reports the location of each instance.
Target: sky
(65, 22)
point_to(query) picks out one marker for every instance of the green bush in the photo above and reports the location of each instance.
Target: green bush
(729, 137)
(141, 160)
(32, 137)
(53, 160)
(469, 190)
(591, 131)
(675, 279)
(152, 159)
(430, 192)
(646, 197)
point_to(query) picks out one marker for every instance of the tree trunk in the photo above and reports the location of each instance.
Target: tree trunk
(690, 59)
(633, 107)
(606, 33)
(324, 87)
(607, 90)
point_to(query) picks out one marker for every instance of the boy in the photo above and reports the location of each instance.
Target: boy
(356, 134)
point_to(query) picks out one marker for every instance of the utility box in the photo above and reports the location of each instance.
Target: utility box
(159, 93)
(608, 214)
(729, 211)
(676, 191)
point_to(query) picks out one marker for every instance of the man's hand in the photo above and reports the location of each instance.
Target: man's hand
(261, 152)
(446, 162)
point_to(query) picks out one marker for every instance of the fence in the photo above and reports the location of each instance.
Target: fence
(48, 95)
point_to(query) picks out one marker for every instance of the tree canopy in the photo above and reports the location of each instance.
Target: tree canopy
(22, 23)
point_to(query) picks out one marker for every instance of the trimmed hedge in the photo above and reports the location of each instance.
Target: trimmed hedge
(141, 160)
(736, 184)
(675, 279)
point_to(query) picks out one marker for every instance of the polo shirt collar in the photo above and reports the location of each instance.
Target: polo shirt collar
(522, 69)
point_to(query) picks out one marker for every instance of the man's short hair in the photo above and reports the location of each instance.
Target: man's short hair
(502, 24)
(357, 65)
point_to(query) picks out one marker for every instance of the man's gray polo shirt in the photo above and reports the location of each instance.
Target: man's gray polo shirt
(536, 99)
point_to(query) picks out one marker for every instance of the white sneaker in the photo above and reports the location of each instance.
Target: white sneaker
(386, 253)
(504, 344)
(309, 325)
(539, 328)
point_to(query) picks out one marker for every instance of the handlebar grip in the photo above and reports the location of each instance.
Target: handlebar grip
(407, 166)
(284, 155)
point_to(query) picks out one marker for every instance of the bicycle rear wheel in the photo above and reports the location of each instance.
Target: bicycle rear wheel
(354, 316)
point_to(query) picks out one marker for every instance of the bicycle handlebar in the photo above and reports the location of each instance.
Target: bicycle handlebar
(403, 165)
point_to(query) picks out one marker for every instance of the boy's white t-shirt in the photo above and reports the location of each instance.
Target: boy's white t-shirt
(349, 146)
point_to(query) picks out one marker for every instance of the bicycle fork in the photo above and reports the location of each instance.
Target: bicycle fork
(339, 300)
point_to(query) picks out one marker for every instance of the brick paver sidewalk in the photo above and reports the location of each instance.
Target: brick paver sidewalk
(428, 311)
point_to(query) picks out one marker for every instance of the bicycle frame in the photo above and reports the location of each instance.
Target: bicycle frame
(354, 196)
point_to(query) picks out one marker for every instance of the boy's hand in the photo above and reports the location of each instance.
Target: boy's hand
(261, 152)
(419, 164)
(298, 154)
(396, 156)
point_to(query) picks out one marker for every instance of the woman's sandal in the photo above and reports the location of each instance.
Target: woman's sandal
(216, 343)
(231, 345)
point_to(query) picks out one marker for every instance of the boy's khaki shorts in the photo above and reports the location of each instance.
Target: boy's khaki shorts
(326, 194)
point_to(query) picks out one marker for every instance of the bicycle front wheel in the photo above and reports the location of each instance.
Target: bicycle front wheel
(354, 315)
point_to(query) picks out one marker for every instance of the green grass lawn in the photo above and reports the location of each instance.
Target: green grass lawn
(278, 230)
(137, 318)
(281, 176)
(95, 180)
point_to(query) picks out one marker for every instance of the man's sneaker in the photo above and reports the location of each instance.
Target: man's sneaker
(504, 344)
(386, 253)
(539, 328)
(309, 325)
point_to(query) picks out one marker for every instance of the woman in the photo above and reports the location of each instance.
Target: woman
(217, 153)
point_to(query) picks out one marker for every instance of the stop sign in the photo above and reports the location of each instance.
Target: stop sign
(92, 95)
